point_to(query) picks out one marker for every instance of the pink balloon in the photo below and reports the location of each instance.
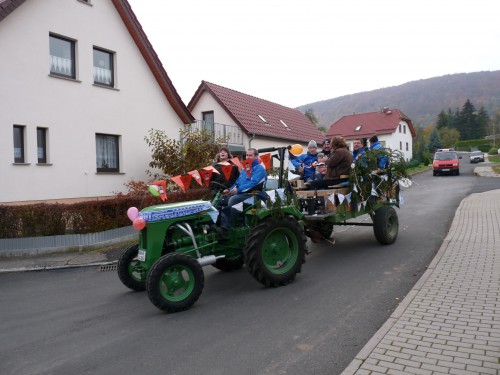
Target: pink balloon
(139, 223)
(132, 213)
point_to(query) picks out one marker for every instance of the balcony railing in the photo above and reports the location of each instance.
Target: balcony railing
(232, 133)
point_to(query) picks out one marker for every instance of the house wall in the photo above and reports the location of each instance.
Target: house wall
(73, 111)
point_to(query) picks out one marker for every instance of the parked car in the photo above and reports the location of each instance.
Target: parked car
(476, 156)
(446, 161)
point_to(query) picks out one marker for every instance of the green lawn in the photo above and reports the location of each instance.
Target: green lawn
(494, 158)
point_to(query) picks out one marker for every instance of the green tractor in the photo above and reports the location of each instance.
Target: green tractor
(178, 239)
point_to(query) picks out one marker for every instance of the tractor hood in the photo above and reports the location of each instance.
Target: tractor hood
(174, 210)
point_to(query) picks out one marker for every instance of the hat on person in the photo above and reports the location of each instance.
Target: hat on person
(320, 155)
(327, 141)
(312, 143)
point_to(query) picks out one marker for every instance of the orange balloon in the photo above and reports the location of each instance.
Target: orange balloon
(139, 223)
(296, 149)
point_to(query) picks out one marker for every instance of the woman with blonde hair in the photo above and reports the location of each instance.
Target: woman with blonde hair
(338, 165)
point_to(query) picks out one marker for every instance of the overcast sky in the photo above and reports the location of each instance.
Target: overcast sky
(296, 52)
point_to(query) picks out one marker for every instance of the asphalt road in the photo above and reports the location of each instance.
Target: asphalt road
(82, 321)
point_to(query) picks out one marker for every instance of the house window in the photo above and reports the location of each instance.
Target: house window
(400, 128)
(41, 141)
(263, 119)
(208, 121)
(358, 128)
(400, 145)
(103, 67)
(18, 144)
(407, 146)
(404, 129)
(107, 158)
(62, 57)
(285, 125)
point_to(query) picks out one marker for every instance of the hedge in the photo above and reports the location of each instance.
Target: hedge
(47, 219)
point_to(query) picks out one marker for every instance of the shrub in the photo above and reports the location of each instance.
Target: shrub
(492, 151)
(80, 218)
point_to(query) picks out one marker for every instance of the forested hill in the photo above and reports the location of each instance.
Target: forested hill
(420, 100)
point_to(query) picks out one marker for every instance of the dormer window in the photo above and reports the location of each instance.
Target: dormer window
(263, 120)
(358, 128)
(285, 125)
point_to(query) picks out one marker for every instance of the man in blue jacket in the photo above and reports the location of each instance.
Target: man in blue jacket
(306, 163)
(250, 180)
(382, 161)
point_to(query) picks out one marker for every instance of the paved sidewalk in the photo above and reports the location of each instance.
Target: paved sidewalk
(450, 321)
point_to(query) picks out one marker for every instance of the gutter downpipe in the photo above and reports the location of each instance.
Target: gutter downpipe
(250, 140)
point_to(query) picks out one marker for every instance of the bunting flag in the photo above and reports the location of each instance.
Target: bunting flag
(266, 160)
(272, 195)
(331, 198)
(227, 169)
(341, 198)
(348, 197)
(214, 215)
(183, 181)
(250, 200)
(238, 206)
(161, 187)
(196, 175)
(211, 168)
(206, 175)
(247, 166)
(237, 162)
(355, 188)
(281, 193)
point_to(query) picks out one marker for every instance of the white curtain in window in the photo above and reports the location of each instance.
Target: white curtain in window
(107, 146)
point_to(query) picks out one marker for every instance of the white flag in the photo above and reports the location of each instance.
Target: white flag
(239, 206)
(341, 198)
(214, 215)
(272, 195)
(331, 198)
(348, 197)
(281, 193)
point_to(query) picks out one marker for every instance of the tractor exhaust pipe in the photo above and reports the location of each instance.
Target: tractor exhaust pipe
(209, 259)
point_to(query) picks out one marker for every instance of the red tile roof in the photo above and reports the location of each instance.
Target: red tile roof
(245, 110)
(383, 122)
(144, 46)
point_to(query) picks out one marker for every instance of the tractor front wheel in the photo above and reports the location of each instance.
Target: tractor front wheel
(386, 225)
(275, 251)
(175, 282)
(130, 271)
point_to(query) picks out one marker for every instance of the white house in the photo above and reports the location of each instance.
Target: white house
(250, 121)
(393, 128)
(80, 86)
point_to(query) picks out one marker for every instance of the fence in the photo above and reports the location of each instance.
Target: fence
(30, 246)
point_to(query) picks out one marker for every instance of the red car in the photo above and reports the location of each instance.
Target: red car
(446, 161)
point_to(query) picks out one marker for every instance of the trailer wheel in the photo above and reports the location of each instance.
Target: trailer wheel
(175, 282)
(229, 264)
(275, 251)
(386, 225)
(130, 271)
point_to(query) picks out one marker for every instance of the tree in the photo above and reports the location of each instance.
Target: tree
(443, 120)
(468, 123)
(314, 119)
(449, 137)
(196, 149)
(483, 123)
(434, 141)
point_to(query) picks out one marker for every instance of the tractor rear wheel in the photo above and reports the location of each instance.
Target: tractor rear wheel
(386, 225)
(130, 271)
(275, 251)
(175, 282)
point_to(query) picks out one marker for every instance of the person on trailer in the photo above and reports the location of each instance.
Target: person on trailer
(306, 163)
(220, 181)
(337, 166)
